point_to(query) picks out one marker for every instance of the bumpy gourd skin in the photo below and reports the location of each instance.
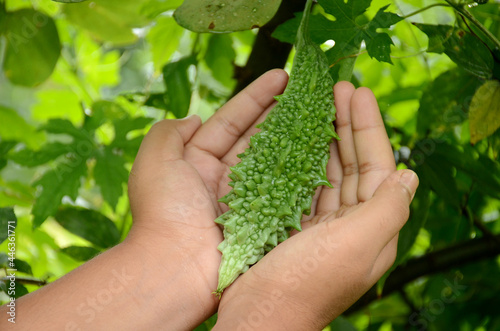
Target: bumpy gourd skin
(275, 181)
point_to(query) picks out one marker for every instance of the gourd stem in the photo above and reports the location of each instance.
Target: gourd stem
(303, 33)
(462, 10)
(425, 8)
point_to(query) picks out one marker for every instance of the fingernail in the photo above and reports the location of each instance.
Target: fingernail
(410, 180)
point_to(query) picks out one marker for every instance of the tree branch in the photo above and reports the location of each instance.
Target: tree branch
(267, 52)
(470, 251)
(26, 281)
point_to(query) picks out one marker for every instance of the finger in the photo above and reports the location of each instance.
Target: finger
(224, 128)
(343, 94)
(166, 139)
(162, 147)
(373, 149)
(386, 259)
(379, 219)
(329, 199)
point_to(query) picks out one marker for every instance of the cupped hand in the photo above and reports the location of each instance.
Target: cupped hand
(347, 243)
(181, 170)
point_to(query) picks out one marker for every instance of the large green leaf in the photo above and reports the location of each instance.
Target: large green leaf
(463, 48)
(176, 78)
(108, 20)
(484, 113)
(90, 225)
(8, 221)
(62, 181)
(346, 30)
(32, 48)
(445, 101)
(110, 174)
(224, 15)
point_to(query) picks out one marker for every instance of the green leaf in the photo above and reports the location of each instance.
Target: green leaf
(225, 16)
(462, 47)
(220, 58)
(80, 253)
(5, 147)
(32, 48)
(60, 103)
(437, 173)
(23, 266)
(126, 124)
(122, 127)
(48, 152)
(102, 110)
(62, 181)
(342, 324)
(481, 169)
(8, 221)
(176, 79)
(69, 1)
(418, 216)
(346, 30)
(110, 174)
(445, 101)
(157, 100)
(58, 125)
(20, 290)
(14, 127)
(90, 225)
(484, 113)
(108, 20)
(164, 38)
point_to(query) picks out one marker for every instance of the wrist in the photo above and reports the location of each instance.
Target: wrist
(173, 287)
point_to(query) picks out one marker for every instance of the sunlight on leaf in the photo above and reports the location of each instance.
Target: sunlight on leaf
(484, 113)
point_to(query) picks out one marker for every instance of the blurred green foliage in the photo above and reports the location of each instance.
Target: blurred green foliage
(81, 83)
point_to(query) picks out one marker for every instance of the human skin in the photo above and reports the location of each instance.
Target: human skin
(162, 276)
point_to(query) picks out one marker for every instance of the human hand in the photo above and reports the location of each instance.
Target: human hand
(179, 173)
(347, 243)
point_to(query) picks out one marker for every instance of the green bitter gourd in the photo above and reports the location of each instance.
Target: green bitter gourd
(274, 183)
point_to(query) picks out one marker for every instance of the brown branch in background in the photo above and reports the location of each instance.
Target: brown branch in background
(26, 281)
(267, 52)
(454, 256)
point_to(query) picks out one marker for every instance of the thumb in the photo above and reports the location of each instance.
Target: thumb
(387, 211)
(166, 139)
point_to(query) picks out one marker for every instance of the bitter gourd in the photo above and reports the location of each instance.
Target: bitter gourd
(274, 183)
